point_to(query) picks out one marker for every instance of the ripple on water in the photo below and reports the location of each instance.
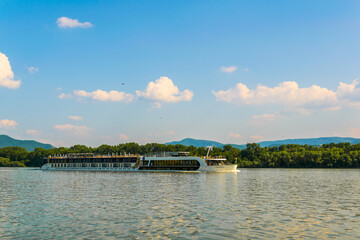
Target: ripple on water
(253, 203)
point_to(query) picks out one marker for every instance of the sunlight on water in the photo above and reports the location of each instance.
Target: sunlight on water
(248, 203)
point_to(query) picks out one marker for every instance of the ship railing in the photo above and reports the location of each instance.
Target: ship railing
(213, 158)
(91, 155)
(167, 154)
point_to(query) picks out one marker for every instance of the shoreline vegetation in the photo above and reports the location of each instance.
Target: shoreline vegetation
(340, 155)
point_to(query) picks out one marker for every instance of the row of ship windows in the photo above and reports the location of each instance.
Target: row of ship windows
(172, 163)
(94, 160)
(90, 165)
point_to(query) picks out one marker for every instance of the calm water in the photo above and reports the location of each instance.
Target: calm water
(255, 203)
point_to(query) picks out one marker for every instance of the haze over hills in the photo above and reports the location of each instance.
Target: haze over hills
(301, 141)
(30, 145)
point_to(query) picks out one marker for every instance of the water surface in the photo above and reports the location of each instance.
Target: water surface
(252, 203)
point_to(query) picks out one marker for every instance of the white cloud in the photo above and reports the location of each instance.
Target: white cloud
(229, 69)
(265, 117)
(287, 94)
(104, 96)
(33, 70)
(164, 90)
(77, 118)
(6, 74)
(8, 124)
(65, 96)
(156, 105)
(234, 135)
(269, 117)
(165, 133)
(256, 138)
(124, 137)
(354, 132)
(55, 143)
(160, 91)
(33, 132)
(72, 128)
(291, 96)
(143, 141)
(349, 93)
(65, 22)
(170, 132)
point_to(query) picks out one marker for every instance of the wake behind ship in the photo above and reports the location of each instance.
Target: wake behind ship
(157, 162)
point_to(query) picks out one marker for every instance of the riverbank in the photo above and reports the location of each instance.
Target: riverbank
(341, 155)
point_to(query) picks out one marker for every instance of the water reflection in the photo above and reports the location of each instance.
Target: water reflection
(254, 203)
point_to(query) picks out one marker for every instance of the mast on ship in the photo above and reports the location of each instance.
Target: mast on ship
(209, 148)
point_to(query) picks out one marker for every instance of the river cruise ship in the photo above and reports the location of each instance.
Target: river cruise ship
(165, 162)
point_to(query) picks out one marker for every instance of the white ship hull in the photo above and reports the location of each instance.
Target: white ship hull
(130, 163)
(221, 168)
(215, 168)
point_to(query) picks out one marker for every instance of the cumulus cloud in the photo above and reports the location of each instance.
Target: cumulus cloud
(234, 135)
(156, 105)
(65, 22)
(56, 143)
(349, 93)
(286, 94)
(170, 132)
(33, 132)
(72, 128)
(77, 118)
(229, 69)
(256, 138)
(104, 96)
(269, 117)
(165, 133)
(6, 74)
(354, 132)
(265, 117)
(33, 70)
(8, 124)
(67, 127)
(158, 92)
(289, 94)
(65, 96)
(164, 90)
(124, 137)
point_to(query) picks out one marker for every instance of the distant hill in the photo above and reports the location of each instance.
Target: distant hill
(310, 141)
(302, 141)
(203, 143)
(30, 145)
(196, 143)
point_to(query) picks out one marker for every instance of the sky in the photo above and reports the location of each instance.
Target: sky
(110, 72)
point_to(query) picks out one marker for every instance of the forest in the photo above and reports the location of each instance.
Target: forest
(341, 155)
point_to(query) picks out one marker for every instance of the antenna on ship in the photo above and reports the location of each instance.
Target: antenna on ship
(209, 148)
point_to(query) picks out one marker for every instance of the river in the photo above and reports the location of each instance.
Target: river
(249, 204)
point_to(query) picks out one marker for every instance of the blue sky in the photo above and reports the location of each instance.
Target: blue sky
(94, 72)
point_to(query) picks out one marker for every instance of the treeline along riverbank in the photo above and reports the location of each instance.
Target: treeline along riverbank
(341, 155)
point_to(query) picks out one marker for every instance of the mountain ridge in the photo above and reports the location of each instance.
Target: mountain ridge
(300, 141)
(29, 145)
